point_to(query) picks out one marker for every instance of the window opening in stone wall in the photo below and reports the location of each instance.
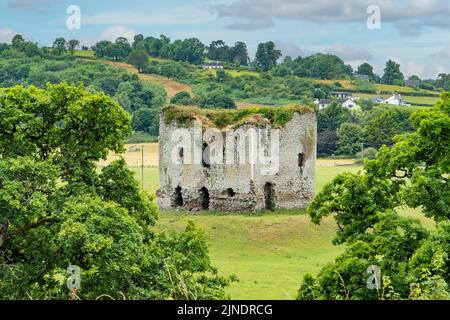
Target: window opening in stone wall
(177, 199)
(204, 198)
(269, 196)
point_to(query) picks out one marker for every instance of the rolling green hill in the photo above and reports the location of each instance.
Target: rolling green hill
(198, 83)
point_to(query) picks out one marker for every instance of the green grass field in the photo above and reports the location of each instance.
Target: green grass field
(418, 102)
(84, 53)
(424, 101)
(269, 252)
(407, 108)
(232, 72)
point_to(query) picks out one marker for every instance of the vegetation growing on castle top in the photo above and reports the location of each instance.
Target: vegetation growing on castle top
(277, 117)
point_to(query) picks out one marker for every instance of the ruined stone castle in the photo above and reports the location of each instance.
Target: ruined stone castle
(236, 160)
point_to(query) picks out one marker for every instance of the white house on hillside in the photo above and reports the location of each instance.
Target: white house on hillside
(323, 103)
(348, 103)
(396, 100)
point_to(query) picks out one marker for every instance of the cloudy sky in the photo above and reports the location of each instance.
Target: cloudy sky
(415, 33)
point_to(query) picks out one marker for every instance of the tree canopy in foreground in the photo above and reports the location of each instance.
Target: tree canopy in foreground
(57, 209)
(414, 261)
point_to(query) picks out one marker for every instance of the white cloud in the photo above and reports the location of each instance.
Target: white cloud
(115, 32)
(290, 48)
(6, 35)
(252, 24)
(424, 71)
(169, 15)
(38, 6)
(349, 53)
(443, 54)
(409, 16)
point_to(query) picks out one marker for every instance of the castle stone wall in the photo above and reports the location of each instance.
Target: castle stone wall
(189, 185)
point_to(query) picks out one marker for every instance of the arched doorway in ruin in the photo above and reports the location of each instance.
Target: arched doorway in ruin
(177, 197)
(204, 198)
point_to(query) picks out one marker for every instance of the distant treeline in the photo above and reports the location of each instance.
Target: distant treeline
(135, 96)
(267, 58)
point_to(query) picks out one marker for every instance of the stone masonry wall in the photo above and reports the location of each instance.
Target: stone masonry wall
(238, 187)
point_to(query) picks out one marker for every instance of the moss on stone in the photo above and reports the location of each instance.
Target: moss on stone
(277, 117)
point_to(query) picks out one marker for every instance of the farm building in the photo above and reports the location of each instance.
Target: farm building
(348, 103)
(396, 100)
(236, 160)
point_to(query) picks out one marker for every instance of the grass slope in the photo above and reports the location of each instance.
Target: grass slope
(172, 87)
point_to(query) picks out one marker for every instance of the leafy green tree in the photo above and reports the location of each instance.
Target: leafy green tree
(326, 143)
(216, 100)
(59, 46)
(332, 117)
(350, 137)
(153, 46)
(222, 76)
(146, 120)
(322, 66)
(72, 45)
(138, 39)
(122, 47)
(239, 54)
(139, 59)
(57, 210)
(18, 42)
(183, 98)
(392, 73)
(384, 124)
(3, 47)
(31, 49)
(171, 70)
(414, 78)
(102, 49)
(366, 105)
(414, 262)
(267, 56)
(282, 71)
(218, 50)
(192, 51)
(367, 70)
(427, 85)
(444, 81)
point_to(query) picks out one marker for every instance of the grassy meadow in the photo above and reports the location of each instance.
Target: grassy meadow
(269, 252)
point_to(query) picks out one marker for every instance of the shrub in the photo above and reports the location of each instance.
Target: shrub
(183, 98)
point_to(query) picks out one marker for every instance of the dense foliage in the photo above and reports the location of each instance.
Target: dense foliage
(321, 66)
(57, 210)
(342, 132)
(414, 262)
(131, 93)
(392, 74)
